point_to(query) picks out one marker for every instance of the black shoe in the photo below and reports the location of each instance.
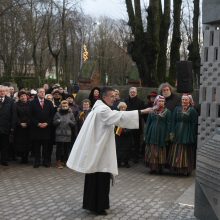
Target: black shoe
(24, 161)
(4, 163)
(119, 164)
(160, 171)
(187, 174)
(47, 165)
(135, 160)
(103, 212)
(36, 165)
(127, 165)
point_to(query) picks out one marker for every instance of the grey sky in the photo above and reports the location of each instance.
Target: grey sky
(115, 9)
(112, 8)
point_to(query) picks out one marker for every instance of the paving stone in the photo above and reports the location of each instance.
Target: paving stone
(52, 194)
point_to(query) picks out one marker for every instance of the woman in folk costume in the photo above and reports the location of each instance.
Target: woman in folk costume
(184, 134)
(156, 134)
(94, 152)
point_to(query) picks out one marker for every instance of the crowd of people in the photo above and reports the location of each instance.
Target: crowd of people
(100, 134)
(35, 123)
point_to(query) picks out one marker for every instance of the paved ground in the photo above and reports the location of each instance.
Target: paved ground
(53, 194)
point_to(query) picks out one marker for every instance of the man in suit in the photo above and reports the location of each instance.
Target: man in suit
(41, 111)
(6, 125)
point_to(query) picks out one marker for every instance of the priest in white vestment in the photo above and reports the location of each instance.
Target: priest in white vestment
(94, 151)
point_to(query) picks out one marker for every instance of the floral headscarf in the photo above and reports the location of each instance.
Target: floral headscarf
(191, 102)
(156, 107)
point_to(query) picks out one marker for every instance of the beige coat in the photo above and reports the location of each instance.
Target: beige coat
(94, 149)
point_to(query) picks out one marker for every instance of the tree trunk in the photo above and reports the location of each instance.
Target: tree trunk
(137, 47)
(164, 33)
(54, 52)
(64, 45)
(194, 54)
(153, 30)
(176, 41)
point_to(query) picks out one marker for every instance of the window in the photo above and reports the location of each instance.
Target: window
(211, 42)
(213, 94)
(208, 110)
(218, 111)
(203, 94)
(206, 54)
(215, 54)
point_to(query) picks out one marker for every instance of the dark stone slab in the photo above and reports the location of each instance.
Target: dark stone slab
(203, 210)
(207, 196)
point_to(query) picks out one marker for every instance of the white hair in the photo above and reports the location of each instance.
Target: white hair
(163, 85)
(121, 104)
(133, 88)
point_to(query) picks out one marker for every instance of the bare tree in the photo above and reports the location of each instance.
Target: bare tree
(6, 6)
(176, 40)
(153, 35)
(164, 33)
(10, 37)
(53, 38)
(34, 28)
(137, 47)
(194, 47)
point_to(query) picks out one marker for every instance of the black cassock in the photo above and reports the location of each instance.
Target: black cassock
(96, 191)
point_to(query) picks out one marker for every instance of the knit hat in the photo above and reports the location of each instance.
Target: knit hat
(152, 94)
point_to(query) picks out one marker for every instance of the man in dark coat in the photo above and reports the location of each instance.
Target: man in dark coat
(6, 123)
(134, 103)
(117, 100)
(41, 111)
(171, 99)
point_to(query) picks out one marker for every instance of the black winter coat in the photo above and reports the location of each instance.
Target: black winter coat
(135, 104)
(172, 101)
(6, 116)
(22, 115)
(41, 115)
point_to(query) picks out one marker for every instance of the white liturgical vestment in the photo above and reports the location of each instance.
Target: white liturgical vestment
(94, 149)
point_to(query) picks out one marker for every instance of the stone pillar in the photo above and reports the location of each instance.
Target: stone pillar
(207, 192)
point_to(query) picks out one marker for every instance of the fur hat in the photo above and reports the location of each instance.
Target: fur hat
(20, 93)
(55, 91)
(69, 96)
(55, 86)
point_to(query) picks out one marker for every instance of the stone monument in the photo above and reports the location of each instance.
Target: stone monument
(207, 192)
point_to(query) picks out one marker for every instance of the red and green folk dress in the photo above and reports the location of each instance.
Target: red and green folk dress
(156, 135)
(184, 129)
